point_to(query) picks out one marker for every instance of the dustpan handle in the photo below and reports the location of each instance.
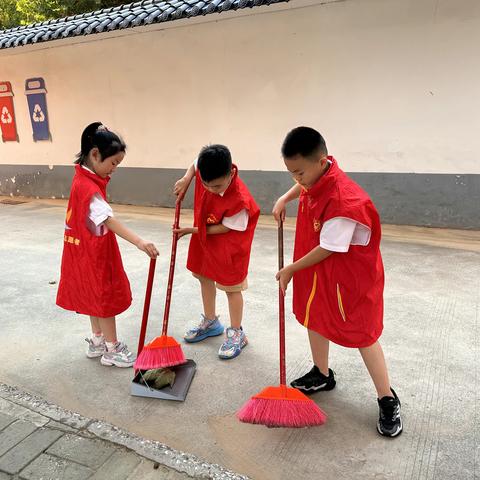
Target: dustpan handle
(171, 272)
(281, 309)
(146, 305)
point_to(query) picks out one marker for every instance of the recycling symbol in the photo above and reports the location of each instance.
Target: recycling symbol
(38, 115)
(6, 117)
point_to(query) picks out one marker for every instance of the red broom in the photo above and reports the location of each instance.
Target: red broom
(281, 406)
(163, 351)
(146, 305)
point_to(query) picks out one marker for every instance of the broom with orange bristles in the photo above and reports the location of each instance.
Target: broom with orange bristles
(281, 406)
(146, 305)
(163, 351)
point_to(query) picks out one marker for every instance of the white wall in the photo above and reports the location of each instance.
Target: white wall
(394, 86)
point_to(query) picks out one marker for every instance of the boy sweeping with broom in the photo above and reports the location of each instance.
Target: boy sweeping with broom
(337, 272)
(225, 217)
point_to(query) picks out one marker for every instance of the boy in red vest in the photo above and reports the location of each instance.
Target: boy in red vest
(337, 270)
(225, 217)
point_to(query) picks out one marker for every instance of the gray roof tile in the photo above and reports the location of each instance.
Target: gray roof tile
(124, 16)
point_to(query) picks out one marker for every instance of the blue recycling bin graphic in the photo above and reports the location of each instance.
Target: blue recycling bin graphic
(37, 106)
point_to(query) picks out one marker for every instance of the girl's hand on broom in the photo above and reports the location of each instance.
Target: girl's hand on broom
(284, 276)
(185, 231)
(121, 230)
(148, 247)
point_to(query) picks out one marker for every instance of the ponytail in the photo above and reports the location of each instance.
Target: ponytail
(96, 135)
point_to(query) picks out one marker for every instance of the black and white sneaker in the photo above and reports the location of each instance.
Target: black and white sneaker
(315, 381)
(389, 422)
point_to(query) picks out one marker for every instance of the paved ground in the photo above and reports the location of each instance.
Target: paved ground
(34, 446)
(431, 341)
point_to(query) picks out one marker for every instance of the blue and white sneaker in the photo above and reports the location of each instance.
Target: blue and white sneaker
(235, 340)
(206, 328)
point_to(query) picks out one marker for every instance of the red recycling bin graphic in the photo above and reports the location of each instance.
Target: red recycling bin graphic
(7, 113)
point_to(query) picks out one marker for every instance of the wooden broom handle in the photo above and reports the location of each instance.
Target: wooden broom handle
(146, 305)
(281, 309)
(171, 272)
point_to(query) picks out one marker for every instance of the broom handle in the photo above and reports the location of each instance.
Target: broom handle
(171, 272)
(146, 305)
(281, 309)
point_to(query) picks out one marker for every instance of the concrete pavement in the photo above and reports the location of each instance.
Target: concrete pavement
(431, 341)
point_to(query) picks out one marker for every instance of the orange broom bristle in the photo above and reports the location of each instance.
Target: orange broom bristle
(162, 352)
(282, 392)
(282, 406)
(162, 342)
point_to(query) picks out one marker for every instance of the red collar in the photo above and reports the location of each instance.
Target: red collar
(101, 182)
(232, 181)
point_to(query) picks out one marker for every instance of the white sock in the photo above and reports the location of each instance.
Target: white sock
(111, 346)
(97, 339)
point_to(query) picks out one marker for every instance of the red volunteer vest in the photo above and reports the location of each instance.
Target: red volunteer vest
(341, 297)
(93, 281)
(224, 257)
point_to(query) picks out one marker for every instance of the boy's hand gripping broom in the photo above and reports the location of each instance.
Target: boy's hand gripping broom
(281, 406)
(163, 351)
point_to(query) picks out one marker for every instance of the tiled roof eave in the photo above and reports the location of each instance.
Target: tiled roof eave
(136, 14)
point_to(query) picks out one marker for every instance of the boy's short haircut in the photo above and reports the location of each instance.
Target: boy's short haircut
(214, 161)
(304, 141)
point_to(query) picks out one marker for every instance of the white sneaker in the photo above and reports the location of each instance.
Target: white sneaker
(95, 351)
(120, 357)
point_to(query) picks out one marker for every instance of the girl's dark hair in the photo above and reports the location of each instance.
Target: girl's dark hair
(214, 161)
(96, 135)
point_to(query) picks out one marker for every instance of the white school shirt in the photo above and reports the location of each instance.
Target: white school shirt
(239, 221)
(98, 212)
(339, 233)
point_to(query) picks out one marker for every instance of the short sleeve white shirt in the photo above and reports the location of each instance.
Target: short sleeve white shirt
(99, 211)
(339, 233)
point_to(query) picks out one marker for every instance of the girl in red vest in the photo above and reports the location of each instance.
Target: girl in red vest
(225, 219)
(93, 281)
(337, 270)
